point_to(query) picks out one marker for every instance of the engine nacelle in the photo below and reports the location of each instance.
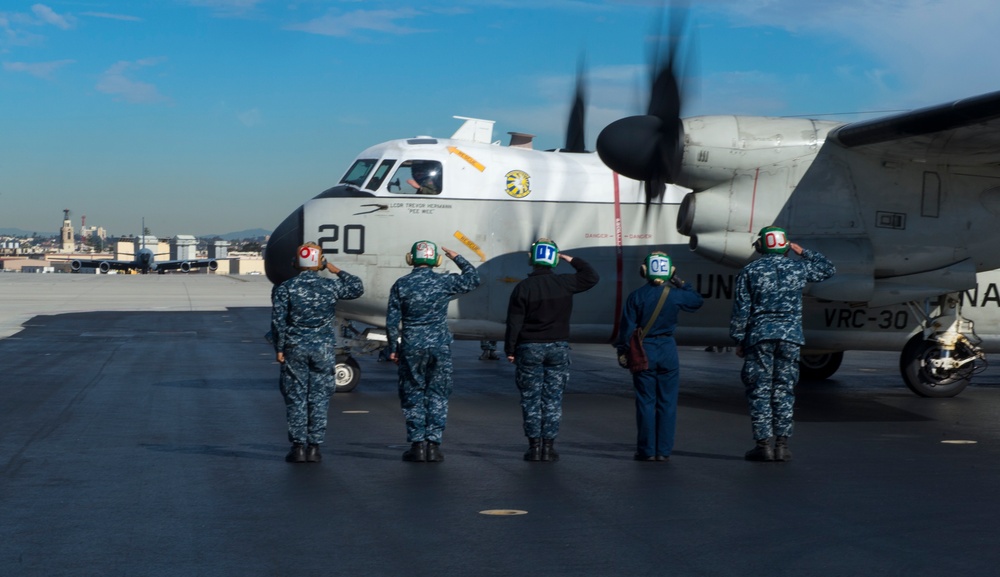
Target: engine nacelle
(75, 265)
(105, 267)
(719, 224)
(213, 265)
(185, 267)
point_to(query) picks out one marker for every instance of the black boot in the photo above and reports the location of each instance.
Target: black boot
(312, 454)
(781, 450)
(548, 451)
(417, 453)
(534, 452)
(761, 452)
(297, 454)
(434, 452)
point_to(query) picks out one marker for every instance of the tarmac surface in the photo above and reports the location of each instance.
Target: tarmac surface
(151, 443)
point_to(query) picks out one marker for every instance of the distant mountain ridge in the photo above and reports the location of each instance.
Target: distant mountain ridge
(238, 235)
(9, 231)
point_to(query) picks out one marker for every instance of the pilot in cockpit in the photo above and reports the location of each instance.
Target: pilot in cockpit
(426, 177)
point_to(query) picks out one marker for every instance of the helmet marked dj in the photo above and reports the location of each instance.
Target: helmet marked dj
(772, 240)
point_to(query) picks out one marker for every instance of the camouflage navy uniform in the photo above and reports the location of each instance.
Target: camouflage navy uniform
(302, 318)
(537, 338)
(767, 323)
(657, 387)
(420, 301)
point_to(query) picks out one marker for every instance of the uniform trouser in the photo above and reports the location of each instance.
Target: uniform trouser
(424, 387)
(306, 383)
(541, 375)
(770, 371)
(656, 398)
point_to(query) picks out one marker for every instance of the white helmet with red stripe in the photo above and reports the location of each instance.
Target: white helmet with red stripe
(310, 257)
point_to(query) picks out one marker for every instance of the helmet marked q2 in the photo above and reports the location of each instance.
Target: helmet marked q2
(423, 253)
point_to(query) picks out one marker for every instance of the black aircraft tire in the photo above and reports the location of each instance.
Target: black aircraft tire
(347, 375)
(919, 379)
(819, 367)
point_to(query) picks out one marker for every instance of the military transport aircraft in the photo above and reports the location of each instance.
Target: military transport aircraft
(144, 262)
(905, 206)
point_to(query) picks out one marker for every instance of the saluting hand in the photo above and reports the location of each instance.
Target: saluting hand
(795, 248)
(449, 253)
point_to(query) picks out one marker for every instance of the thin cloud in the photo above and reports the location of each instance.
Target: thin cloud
(116, 81)
(227, 8)
(37, 69)
(48, 16)
(250, 118)
(928, 47)
(333, 24)
(109, 16)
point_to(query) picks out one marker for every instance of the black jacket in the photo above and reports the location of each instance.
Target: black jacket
(541, 304)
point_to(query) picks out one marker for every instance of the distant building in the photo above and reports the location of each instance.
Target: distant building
(93, 231)
(67, 241)
(183, 247)
(218, 249)
(10, 247)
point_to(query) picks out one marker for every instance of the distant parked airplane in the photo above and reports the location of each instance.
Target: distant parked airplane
(144, 262)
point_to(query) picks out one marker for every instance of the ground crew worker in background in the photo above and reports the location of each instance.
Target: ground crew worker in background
(302, 326)
(419, 301)
(489, 349)
(656, 388)
(767, 327)
(536, 341)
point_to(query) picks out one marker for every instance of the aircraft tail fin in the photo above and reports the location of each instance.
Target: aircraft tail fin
(474, 129)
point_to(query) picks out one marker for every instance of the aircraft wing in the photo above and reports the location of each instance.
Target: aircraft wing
(104, 265)
(964, 132)
(186, 265)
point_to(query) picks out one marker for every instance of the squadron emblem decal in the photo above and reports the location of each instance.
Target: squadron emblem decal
(517, 184)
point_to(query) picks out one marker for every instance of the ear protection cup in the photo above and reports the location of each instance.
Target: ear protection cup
(642, 270)
(409, 259)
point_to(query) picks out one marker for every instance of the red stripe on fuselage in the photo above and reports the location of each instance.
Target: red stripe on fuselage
(619, 257)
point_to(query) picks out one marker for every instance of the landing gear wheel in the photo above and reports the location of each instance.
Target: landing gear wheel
(819, 367)
(922, 378)
(347, 375)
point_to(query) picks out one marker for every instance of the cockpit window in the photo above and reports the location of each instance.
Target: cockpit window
(380, 173)
(417, 177)
(358, 172)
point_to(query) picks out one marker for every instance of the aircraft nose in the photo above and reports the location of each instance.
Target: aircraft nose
(280, 252)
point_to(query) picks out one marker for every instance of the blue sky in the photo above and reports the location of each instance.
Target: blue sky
(210, 116)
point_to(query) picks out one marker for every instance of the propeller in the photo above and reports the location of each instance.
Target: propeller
(650, 147)
(575, 141)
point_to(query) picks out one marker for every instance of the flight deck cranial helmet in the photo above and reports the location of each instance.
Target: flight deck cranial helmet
(423, 253)
(309, 257)
(544, 252)
(657, 268)
(771, 240)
